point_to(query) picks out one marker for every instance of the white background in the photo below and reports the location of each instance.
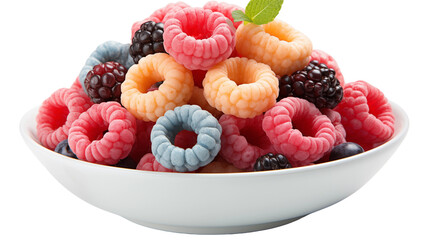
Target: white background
(45, 43)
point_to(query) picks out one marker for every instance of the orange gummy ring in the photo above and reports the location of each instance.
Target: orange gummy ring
(241, 87)
(176, 90)
(277, 44)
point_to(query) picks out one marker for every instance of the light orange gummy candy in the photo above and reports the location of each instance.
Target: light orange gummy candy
(276, 44)
(176, 90)
(241, 87)
(198, 99)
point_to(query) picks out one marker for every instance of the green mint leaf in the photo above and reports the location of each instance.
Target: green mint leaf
(239, 16)
(263, 11)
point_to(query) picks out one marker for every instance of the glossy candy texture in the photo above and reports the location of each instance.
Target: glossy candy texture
(191, 118)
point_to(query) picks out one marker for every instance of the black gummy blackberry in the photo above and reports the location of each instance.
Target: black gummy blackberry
(103, 82)
(147, 40)
(316, 83)
(271, 161)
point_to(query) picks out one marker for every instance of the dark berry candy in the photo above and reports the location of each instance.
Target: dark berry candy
(64, 149)
(103, 82)
(271, 162)
(147, 40)
(127, 163)
(316, 83)
(344, 150)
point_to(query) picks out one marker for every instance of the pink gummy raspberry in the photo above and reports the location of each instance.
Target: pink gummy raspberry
(76, 85)
(57, 114)
(104, 134)
(199, 38)
(160, 15)
(142, 145)
(298, 130)
(224, 8)
(327, 59)
(149, 163)
(366, 115)
(243, 140)
(335, 117)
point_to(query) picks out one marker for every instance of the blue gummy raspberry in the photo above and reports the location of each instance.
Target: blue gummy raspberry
(190, 118)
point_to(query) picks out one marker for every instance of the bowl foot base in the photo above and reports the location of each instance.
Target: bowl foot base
(215, 230)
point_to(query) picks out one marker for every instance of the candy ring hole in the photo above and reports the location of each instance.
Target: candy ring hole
(150, 83)
(272, 30)
(200, 32)
(185, 139)
(301, 124)
(60, 119)
(241, 73)
(255, 137)
(97, 132)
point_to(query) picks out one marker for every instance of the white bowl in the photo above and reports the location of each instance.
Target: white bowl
(214, 203)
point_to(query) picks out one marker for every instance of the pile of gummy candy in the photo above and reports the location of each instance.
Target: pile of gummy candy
(213, 89)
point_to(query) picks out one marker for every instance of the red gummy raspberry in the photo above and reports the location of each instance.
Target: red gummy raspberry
(149, 163)
(298, 130)
(57, 114)
(224, 8)
(142, 145)
(104, 134)
(366, 115)
(335, 117)
(243, 140)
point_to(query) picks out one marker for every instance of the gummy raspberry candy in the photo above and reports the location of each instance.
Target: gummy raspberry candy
(199, 38)
(271, 161)
(148, 163)
(64, 149)
(142, 145)
(298, 130)
(147, 40)
(57, 114)
(316, 83)
(103, 82)
(335, 117)
(243, 140)
(191, 118)
(103, 134)
(277, 44)
(328, 60)
(366, 115)
(344, 150)
(224, 8)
